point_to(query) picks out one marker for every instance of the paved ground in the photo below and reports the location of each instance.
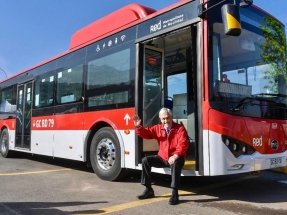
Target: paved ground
(40, 185)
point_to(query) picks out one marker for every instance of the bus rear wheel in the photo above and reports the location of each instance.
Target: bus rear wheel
(105, 155)
(5, 144)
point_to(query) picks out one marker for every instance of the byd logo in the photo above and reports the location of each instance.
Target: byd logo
(257, 141)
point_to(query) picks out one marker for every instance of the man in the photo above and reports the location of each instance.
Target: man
(173, 144)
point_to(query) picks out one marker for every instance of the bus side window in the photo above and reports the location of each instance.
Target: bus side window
(8, 103)
(108, 79)
(44, 88)
(69, 84)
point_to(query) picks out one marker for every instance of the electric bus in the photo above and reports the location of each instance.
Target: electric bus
(220, 66)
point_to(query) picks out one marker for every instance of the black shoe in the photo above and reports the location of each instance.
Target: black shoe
(173, 199)
(147, 193)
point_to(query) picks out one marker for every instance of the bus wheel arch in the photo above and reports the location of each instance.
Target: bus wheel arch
(4, 143)
(105, 154)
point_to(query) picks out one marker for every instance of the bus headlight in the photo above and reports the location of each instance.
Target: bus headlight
(244, 149)
(237, 147)
(227, 142)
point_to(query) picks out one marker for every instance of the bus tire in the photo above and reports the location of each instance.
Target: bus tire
(4, 147)
(105, 155)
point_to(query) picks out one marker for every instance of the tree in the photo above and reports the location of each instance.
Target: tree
(274, 52)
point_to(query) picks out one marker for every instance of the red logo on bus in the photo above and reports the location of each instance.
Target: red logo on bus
(151, 61)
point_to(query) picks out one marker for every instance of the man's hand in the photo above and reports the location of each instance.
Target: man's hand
(172, 159)
(137, 121)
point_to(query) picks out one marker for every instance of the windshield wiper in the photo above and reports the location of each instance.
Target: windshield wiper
(267, 97)
(242, 104)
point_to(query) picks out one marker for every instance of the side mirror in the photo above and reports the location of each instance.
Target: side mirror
(245, 3)
(231, 19)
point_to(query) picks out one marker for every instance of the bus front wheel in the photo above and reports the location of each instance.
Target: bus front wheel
(105, 155)
(5, 144)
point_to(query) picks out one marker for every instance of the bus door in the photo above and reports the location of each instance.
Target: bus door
(152, 91)
(168, 81)
(180, 98)
(180, 79)
(23, 120)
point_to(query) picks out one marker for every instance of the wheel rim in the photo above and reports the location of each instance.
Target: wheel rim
(4, 144)
(106, 154)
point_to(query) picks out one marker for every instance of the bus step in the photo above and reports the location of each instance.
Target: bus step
(189, 164)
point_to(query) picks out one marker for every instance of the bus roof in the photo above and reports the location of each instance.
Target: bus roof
(109, 23)
(127, 16)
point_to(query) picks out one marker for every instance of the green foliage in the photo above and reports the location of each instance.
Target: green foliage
(274, 52)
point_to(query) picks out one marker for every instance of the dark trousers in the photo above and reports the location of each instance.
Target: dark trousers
(156, 161)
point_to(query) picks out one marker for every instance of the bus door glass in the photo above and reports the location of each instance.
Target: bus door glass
(152, 86)
(23, 121)
(152, 92)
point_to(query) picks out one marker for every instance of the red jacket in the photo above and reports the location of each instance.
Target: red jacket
(175, 143)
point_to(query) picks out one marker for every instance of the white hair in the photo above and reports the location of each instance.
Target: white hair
(165, 110)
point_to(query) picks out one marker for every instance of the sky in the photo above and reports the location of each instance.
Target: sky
(32, 31)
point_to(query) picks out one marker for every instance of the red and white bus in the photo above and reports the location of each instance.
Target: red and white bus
(222, 86)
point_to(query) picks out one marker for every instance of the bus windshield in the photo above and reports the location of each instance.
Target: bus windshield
(248, 72)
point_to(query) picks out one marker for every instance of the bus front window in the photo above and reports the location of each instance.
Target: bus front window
(250, 67)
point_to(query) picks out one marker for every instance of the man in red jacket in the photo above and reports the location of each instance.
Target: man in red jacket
(173, 144)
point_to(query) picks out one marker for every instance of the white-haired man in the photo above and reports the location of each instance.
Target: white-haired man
(173, 144)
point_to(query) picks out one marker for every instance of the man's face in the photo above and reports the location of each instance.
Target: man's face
(166, 119)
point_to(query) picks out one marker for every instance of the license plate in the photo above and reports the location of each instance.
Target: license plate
(275, 162)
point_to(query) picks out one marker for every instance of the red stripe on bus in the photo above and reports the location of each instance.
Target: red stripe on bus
(120, 119)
